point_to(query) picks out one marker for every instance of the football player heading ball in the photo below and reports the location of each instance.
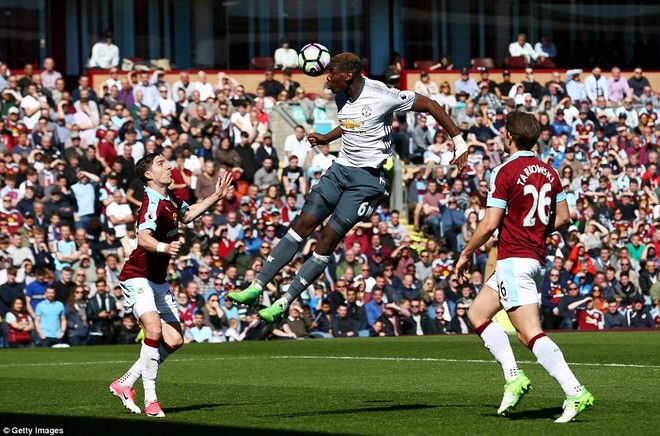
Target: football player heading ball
(355, 183)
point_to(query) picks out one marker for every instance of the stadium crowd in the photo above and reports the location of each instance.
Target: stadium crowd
(69, 199)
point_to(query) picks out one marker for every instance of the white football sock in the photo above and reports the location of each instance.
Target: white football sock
(497, 342)
(135, 372)
(552, 359)
(149, 361)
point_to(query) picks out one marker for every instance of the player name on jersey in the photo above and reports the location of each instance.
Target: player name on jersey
(536, 169)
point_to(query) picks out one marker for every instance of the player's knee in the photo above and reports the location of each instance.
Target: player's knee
(153, 330)
(176, 343)
(304, 225)
(476, 318)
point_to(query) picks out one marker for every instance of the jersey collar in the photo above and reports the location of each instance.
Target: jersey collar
(522, 153)
(155, 193)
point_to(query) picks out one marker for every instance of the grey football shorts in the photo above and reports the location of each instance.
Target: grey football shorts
(349, 194)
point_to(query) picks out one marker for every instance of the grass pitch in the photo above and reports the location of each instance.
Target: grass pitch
(398, 386)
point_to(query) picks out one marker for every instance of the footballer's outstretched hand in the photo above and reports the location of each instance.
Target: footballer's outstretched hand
(460, 152)
(462, 266)
(316, 139)
(224, 185)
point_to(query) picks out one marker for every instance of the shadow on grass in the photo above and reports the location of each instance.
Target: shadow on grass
(548, 413)
(192, 407)
(85, 426)
(391, 408)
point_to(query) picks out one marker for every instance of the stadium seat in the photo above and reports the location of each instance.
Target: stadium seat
(547, 63)
(312, 95)
(424, 64)
(262, 62)
(483, 62)
(515, 62)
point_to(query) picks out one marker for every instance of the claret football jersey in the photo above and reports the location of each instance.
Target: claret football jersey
(160, 214)
(529, 190)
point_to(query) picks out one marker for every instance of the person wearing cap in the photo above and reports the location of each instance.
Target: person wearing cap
(465, 83)
(506, 84)
(639, 316)
(355, 183)
(523, 228)
(486, 96)
(425, 86)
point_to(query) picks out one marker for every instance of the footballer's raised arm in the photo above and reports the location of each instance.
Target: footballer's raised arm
(425, 104)
(318, 139)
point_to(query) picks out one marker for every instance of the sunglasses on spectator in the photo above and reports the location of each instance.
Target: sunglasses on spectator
(461, 308)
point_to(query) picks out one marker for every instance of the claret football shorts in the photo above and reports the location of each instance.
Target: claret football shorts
(146, 296)
(517, 281)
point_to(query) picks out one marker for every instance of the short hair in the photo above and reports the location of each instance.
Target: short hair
(347, 62)
(144, 165)
(524, 128)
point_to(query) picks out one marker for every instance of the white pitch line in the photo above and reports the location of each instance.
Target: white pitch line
(303, 357)
(433, 359)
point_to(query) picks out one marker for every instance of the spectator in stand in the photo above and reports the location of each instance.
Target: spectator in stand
(568, 305)
(285, 56)
(418, 323)
(466, 84)
(638, 81)
(618, 88)
(49, 76)
(521, 47)
(198, 332)
(20, 325)
(575, 89)
(614, 318)
(426, 86)
(459, 324)
(545, 47)
(271, 86)
(589, 318)
(101, 315)
(639, 316)
(76, 316)
(104, 53)
(596, 85)
(50, 319)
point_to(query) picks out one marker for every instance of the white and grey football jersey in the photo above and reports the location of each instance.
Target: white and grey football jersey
(367, 123)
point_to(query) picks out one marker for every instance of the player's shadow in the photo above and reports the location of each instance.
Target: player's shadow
(192, 407)
(390, 408)
(544, 414)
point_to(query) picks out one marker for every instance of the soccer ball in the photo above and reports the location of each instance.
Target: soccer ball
(313, 59)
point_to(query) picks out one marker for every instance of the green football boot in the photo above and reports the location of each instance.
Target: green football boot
(272, 313)
(573, 406)
(514, 390)
(249, 296)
